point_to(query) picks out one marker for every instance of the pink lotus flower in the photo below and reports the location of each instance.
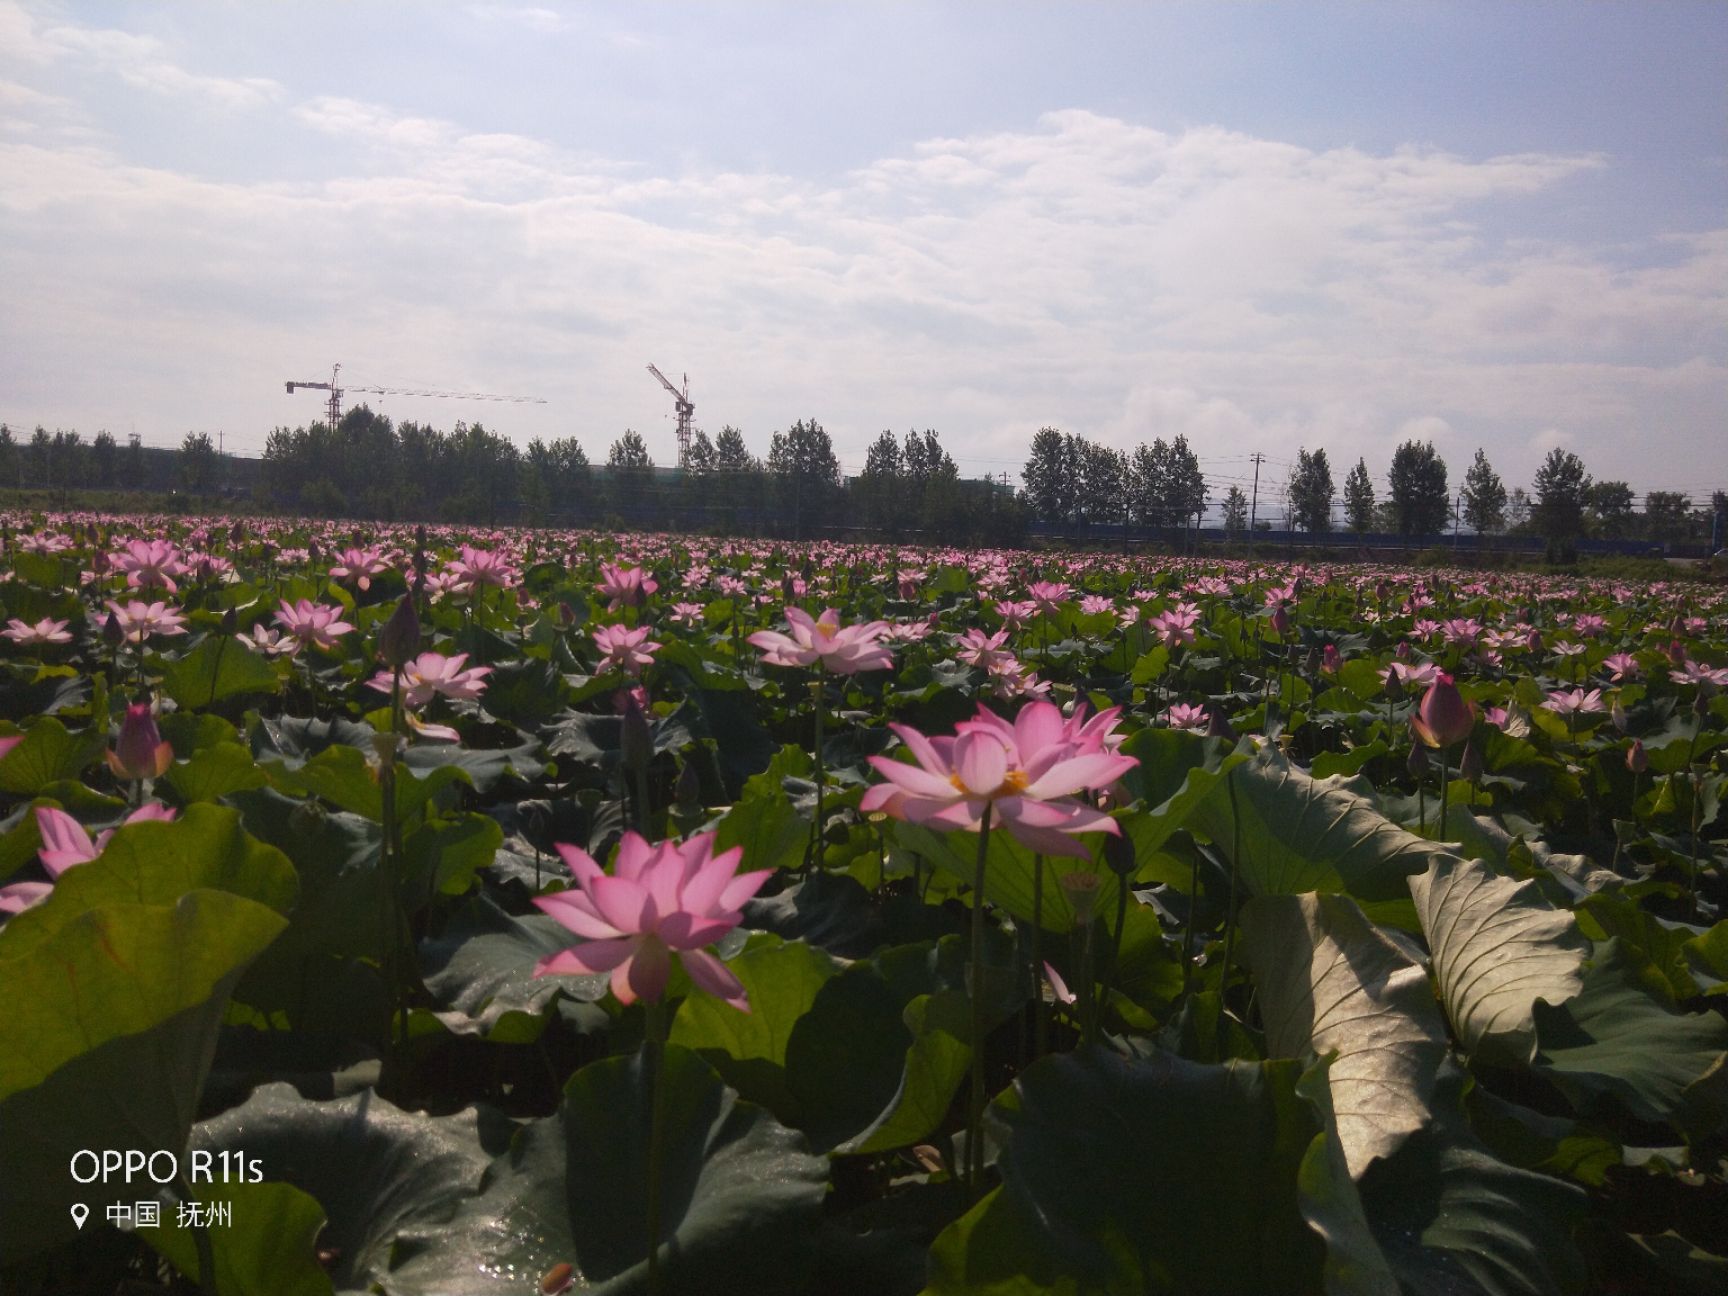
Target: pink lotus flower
(1049, 595)
(149, 563)
(1175, 625)
(272, 643)
(432, 674)
(1014, 615)
(1443, 717)
(357, 567)
(1621, 666)
(662, 898)
(140, 752)
(44, 632)
(976, 648)
(1184, 715)
(843, 650)
(1092, 604)
(1025, 774)
(624, 649)
(315, 625)
(1697, 672)
(1574, 702)
(475, 568)
(687, 614)
(625, 586)
(65, 843)
(8, 743)
(138, 620)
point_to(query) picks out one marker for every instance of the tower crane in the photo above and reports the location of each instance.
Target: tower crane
(686, 411)
(333, 408)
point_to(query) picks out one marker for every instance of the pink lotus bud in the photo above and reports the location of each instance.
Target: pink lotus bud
(1470, 763)
(1533, 641)
(140, 752)
(1636, 760)
(1280, 621)
(1331, 659)
(1443, 717)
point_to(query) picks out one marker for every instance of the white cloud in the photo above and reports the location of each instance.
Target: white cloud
(1108, 277)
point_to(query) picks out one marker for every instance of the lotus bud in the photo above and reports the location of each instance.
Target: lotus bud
(1394, 686)
(230, 621)
(1217, 726)
(1120, 855)
(636, 741)
(1636, 760)
(399, 640)
(1701, 700)
(237, 534)
(1533, 641)
(139, 752)
(1082, 892)
(312, 551)
(1418, 762)
(1617, 713)
(113, 633)
(1470, 763)
(1443, 717)
(563, 615)
(1331, 659)
(1402, 652)
(1280, 621)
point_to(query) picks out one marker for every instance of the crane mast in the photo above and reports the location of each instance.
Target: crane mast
(333, 406)
(686, 411)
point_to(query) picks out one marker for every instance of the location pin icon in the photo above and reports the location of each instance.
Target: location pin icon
(80, 1213)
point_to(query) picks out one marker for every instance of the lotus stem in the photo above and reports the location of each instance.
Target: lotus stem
(975, 1110)
(654, 1059)
(1040, 1019)
(200, 1239)
(813, 852)
(1443, 791)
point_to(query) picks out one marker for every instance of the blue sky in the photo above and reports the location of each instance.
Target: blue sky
(1263, 226)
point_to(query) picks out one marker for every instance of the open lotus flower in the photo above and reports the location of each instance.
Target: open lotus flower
(625, 586)
(431, 674)
(624, 649)
(662, 899)
(317, 625)
(1024, 773)
(845, 650)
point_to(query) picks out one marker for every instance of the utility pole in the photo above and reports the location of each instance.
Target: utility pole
(1458, 519)
(1254, 508)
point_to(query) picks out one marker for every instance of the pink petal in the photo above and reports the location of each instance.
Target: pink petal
(743, 887)
(716, 978)
(590, 957)
(1095, 770)
(644, 974)
(572, 909)
(980, 762)
(704, 890)
(580, 863)
(685, 931)
(623, 903)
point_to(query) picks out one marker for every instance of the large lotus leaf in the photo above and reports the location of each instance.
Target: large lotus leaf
(214, 772)
(1331, 982)
(1451, 1218)
(831, 911)
(442, 857)
(1656, 950)
(480, 969)
(1288, 834)
(155, 863)
(1150, 1174)
(740, 1195)
(1330, 1202)
(936, 1063)
(344, 778)
(48, 754)
(995, 1249)
(1498, 947)
(110, 1017)
(748, 1049)
(268, 1247)
(1614, 1040)
(293, 740)
(1177, 772)
(377, 1171)
(219, 667)
(485, 769)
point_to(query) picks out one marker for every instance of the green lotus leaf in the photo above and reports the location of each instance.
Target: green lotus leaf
(219, 667)
(1332, 983)
(268, 1247)
(1498, 947)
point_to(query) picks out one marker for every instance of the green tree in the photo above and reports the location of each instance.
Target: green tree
(1103, 490)
(879, 500)
(1518, 511)
(629, 472)
(1667, 515)
(41, 457)
(9, 457)
(1148, 467)
(932, 485)
(1359, 499)
(1185, 491)
(1235, 513)
(1311, 491)
(1561, 488)
(1417, 484)
(198, 463)
(104, 453)
(1611, 509)
(1484, 496)
(807, 475)
(1046, 476)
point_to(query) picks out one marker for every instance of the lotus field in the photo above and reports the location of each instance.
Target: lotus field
(452, 912)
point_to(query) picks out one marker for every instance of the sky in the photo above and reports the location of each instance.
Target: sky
(1262, 226)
